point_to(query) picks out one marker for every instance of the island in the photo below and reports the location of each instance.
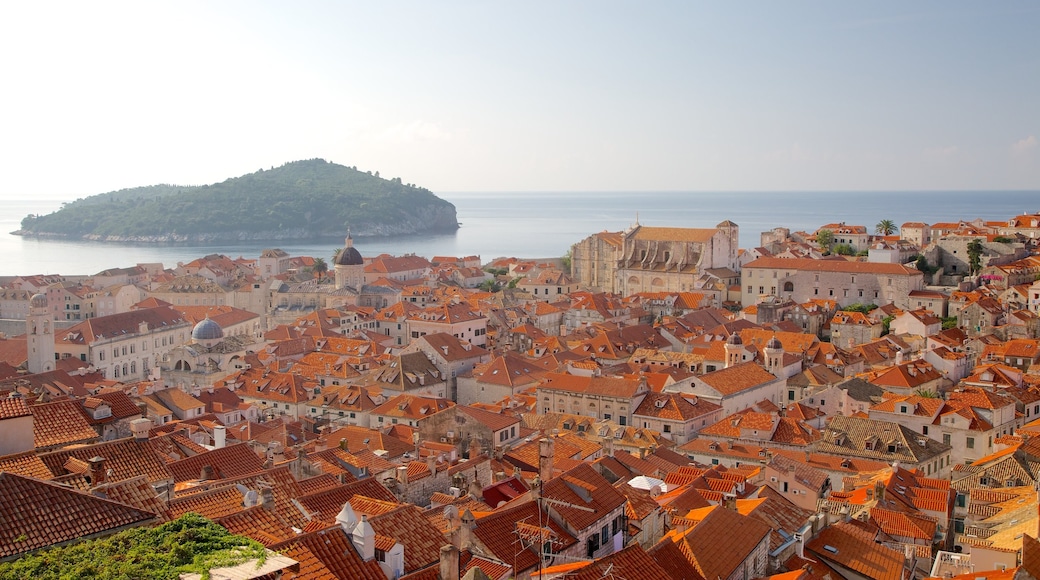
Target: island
(300, 200)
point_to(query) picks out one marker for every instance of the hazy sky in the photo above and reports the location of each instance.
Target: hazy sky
(532, 95)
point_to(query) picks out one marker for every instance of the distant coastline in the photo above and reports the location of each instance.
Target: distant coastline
(529, 224)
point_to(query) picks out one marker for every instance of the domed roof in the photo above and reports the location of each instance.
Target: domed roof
(349, 256)
(207, 330)
(774, 343)
(38, 301)
(734, 339)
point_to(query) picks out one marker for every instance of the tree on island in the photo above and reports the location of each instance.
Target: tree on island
(825, 239)
(974, 256)
(885, 227)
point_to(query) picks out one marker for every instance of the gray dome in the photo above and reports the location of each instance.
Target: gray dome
(734, 339)
(207, 330)
(774, 343)
(349, 256)
(38, 301)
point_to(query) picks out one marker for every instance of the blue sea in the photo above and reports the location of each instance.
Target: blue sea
(537, 225)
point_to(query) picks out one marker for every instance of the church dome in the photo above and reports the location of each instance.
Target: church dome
(207, 330)
(734, 339)
(38, 301)
(774, 344)
(349, 256)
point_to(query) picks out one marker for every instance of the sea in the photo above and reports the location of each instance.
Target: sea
(534, 224)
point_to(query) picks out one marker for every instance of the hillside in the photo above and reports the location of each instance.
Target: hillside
(299, 200)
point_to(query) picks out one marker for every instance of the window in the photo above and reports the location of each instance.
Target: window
(971, 443)
(604, 535)
(946, 438)
(785, 487)
(667, 428)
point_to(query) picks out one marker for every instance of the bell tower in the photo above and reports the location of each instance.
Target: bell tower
(39, 336)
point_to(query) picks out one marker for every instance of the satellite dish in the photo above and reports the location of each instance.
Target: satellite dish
(451, 513)
(251, 498)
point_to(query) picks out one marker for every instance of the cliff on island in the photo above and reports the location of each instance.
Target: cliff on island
(299, 200)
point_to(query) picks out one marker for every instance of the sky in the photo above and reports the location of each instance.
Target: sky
(467, 96)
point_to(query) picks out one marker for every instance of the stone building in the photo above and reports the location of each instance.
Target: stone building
(846, 282)
(655, 259)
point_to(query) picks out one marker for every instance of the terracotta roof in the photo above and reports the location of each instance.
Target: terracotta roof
(13, 407)
(421, 540)
(60, 423)
(851, 546)
(715, 559)
(674, 407)
(493, 421)
(497, 532)
(124, 459)
(630, 562)
(328, 555)
(259, 524)
(325, 505)
(35, 514)
(737, 378)
(228, 462)
(27, 464)
(582, 486)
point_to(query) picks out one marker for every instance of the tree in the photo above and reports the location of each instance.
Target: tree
(885, 227)
(974, 256)
(335, 254)
(566, 260)
(320, 267)
(490, 285)
(825, 239)
(844, 249)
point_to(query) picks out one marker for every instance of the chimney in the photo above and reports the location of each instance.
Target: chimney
(449, 562)
(140, 429)
(431, 463)
(469, 523)
(608, 446)
(402, 474)
(206, 473)
(219, 436)
(444, 349)
(96, 471)
(364, 539)
(546, 448)
(267, 498)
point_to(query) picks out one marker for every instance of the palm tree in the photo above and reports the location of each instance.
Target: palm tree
(885, 227)
(320, 267)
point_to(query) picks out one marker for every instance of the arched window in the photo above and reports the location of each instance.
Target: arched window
(788, 286)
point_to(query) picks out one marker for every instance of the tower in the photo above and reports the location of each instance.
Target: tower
(39, 336)
(734, 350)
(774, 352)
(349, 266)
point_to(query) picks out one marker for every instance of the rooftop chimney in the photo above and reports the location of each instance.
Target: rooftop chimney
(207, 473)
(140, 428)
(469, 523)
(96, 471)
(364, 539)
(546, 448)
(219, 436)
(449, 561)
(267, 498)
(402, 474)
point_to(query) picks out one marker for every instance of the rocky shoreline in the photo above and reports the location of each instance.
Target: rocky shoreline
(435, 221)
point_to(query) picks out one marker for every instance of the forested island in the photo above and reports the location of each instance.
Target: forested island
(299, 200)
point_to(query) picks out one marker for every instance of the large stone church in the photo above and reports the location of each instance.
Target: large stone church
(654, 259)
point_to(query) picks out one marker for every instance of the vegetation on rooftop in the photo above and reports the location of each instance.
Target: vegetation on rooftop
(189, 544)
